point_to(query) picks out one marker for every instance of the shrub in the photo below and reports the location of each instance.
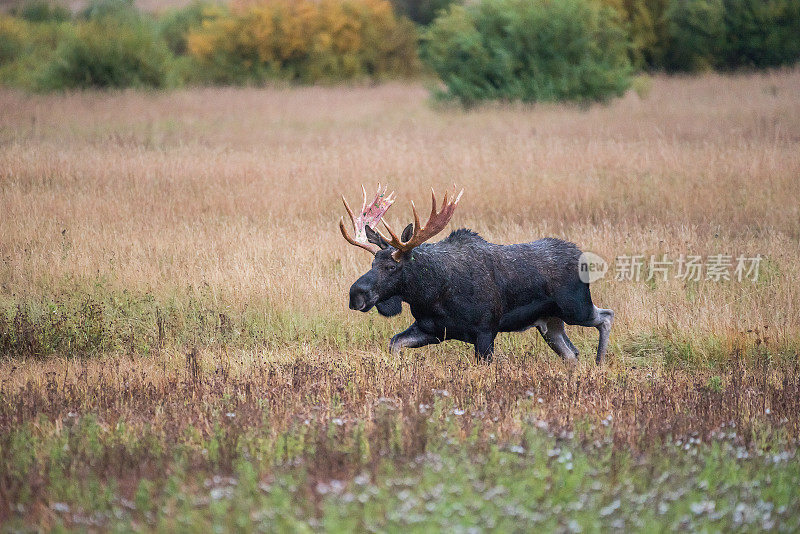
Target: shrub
(304, 40)
(388, 43)
(24, 46)
(760, 33)
(696, 31)
(12, 39)
(42, 11)
(686, 35)
(646, 26)
(227, 48)
(176, 24)
(529, 50)
(118, 10)
(107, 54)
(421, 11)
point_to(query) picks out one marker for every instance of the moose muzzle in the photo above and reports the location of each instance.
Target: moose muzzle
(362, 297)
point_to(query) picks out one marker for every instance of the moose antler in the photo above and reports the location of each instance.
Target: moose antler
(370, 215)
(436, 223)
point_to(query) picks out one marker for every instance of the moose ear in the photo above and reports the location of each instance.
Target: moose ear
(407, 232)
(375, 238)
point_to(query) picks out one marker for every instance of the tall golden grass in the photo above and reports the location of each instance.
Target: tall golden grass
(235, 192)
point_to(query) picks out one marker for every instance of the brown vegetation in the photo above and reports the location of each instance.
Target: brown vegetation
(277, 394)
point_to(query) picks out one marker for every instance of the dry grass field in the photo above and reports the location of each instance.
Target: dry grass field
(177, 349)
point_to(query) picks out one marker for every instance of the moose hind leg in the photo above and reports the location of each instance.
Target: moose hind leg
(556, 338)
(571, 346)
(602, 319)
(412, 337)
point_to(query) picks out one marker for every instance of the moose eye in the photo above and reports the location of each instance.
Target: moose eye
(390, 267)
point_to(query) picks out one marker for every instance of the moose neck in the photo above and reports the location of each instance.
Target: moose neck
(425, 276)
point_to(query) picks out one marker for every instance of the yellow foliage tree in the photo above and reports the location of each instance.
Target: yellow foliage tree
(305, 40)
(646, 27)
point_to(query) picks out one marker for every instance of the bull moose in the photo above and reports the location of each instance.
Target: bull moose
(466, 288)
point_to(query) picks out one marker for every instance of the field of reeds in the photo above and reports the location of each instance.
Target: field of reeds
(176, 351)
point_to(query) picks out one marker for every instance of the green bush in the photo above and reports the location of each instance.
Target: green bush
(25, 46)
(12, 39)
(761, 33)
(529, 50)
(687, 35)
(107, 54)
(176, 24)
(696, 31)
(421, 11)
(118, 10)
(42, 11)
(647, 27)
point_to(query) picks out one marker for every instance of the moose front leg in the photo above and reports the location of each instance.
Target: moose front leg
(411, 337)
(484, 346)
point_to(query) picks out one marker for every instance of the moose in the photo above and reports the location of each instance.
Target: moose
(466, 288)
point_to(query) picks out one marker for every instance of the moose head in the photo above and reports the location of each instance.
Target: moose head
(382, 285)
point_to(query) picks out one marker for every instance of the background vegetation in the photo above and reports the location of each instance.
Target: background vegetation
(308, 41)
(529, 51)
(112, 44)
(691, 35)
(494, 49)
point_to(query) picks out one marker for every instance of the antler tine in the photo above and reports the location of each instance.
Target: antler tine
(345, 234)
(454, 202)
(394, 240)
(416, 217)
(363, 202)
(349, 212)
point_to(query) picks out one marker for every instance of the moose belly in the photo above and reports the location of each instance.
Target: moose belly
(523, 317)
(445, 327)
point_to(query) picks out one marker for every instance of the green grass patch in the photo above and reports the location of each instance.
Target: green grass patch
(236, 479)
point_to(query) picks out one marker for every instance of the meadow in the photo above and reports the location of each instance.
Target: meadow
(176, 350)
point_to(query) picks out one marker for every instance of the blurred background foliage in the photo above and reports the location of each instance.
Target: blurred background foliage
(304, 40)
(529, 50)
